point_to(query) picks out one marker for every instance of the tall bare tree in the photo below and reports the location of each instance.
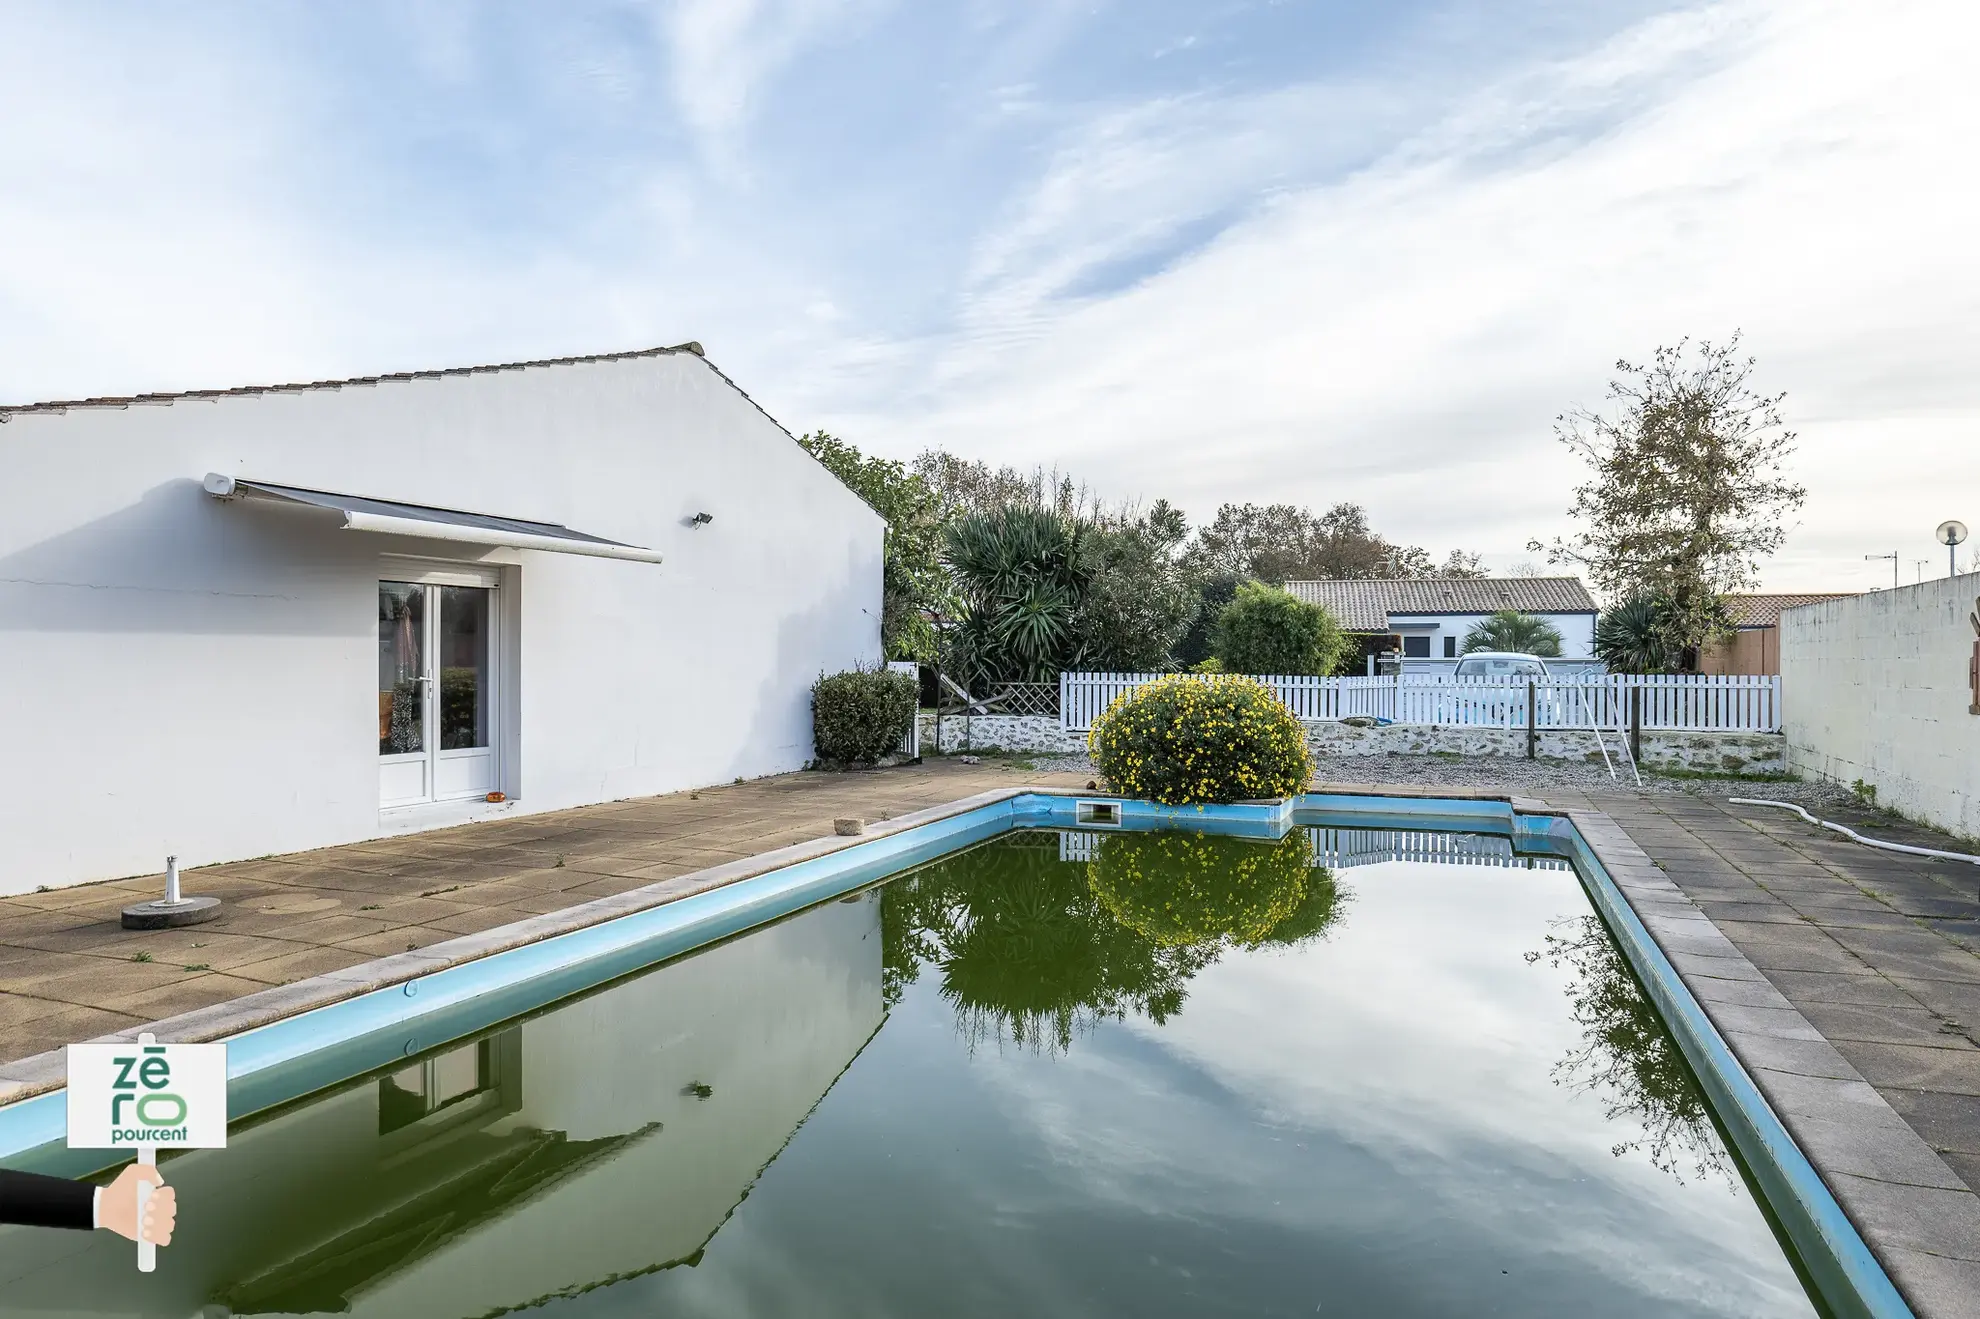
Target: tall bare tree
(1282, 542)
(1687, 490)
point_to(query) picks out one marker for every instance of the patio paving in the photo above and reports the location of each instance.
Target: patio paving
(1876, 949)
(69, 971)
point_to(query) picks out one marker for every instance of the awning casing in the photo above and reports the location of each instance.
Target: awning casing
(391, 518)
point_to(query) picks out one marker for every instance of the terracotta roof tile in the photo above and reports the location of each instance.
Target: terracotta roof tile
(1765, 610)
(1364, 605)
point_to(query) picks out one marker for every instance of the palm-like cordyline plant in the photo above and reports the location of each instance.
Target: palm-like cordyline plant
(1511, 630)
(1633, 638)
(1023, 573)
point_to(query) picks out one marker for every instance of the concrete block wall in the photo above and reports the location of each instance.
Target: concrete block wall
(1878, 688)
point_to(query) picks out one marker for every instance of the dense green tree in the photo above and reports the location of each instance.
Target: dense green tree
(1264, 630)
(1213, 591)
(912, 580)
(1138, 600)
(1687, 489)
(1508, 629)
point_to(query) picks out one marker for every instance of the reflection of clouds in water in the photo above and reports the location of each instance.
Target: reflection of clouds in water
(1410, 1058)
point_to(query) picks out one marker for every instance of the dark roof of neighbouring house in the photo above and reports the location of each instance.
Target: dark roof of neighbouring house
(1765, 610)
(1365, 604)
(63, 405)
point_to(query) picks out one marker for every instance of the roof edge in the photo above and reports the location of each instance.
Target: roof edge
(243, 391)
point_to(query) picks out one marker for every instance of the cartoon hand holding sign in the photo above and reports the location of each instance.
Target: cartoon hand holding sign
(138, 1097)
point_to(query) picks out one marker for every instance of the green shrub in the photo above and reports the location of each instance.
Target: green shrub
(1183, 890)
(862, 714)
(1186, 739)
(1268, 631)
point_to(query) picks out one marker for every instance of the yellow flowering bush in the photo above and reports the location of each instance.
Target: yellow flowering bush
(1183, 890)
(1191, 738)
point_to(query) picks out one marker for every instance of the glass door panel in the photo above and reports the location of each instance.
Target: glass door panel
(463, 667)
(401, 668)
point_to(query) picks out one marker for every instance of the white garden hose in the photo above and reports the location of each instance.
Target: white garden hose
(1854, 836)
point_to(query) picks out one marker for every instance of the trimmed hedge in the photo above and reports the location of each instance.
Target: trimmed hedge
(862, 714)
(1186, 739)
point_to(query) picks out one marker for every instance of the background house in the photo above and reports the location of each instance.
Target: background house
(1423, 620)
(259, 620)
(1755, 646)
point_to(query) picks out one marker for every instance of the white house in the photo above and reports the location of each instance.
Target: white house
(1424, 619)
(250, 621)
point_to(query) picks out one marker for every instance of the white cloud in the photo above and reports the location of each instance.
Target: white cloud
(1405, 335)
(724, 50)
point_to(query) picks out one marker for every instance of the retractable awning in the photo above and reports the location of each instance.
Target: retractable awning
(395, 519)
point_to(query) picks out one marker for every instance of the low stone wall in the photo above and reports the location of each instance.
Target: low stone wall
(1722, 753)
(1001, 732)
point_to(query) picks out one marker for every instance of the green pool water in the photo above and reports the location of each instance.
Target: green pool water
(1357, 1073)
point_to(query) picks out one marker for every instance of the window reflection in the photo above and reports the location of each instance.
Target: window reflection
(463, 667)
(401, 665)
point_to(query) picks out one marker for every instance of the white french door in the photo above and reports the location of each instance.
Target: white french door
(437, 701)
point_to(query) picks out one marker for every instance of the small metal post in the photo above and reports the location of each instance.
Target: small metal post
(172, 880)
(1532, 719)
(1636, 724)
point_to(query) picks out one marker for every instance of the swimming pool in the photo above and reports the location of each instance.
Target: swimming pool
(1368, 1067)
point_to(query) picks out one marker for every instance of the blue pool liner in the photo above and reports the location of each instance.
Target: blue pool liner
(286, 1060)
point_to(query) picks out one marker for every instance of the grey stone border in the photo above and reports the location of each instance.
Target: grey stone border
(1916, 1215)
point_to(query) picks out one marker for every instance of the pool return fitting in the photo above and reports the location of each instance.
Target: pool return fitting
(1854, 836)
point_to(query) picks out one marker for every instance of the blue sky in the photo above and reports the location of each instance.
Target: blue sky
(1207, 251)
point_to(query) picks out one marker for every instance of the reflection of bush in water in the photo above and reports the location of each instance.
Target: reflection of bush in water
(1184, 890)
(1024, 949)
(1629, 1059)
(1029, 950)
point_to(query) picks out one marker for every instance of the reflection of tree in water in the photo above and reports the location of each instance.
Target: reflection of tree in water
(1629, 1059)
(1030, 950)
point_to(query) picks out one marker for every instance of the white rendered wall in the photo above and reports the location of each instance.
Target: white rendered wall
(1577, 630)
(182, 675)
(1875, 687)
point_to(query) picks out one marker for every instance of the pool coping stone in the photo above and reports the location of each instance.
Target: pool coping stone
(1916, 1215)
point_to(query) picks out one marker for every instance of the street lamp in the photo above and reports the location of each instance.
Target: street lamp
(1950, 534)
(1893, 557)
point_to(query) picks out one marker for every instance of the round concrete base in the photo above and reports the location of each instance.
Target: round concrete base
(163, 915)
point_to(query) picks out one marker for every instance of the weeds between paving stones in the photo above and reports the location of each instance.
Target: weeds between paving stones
(199, 966)
(140, 957)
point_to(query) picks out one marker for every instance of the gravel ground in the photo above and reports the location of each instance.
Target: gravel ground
(1528, 777)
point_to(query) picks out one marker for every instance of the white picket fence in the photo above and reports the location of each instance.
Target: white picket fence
(1687, 702)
